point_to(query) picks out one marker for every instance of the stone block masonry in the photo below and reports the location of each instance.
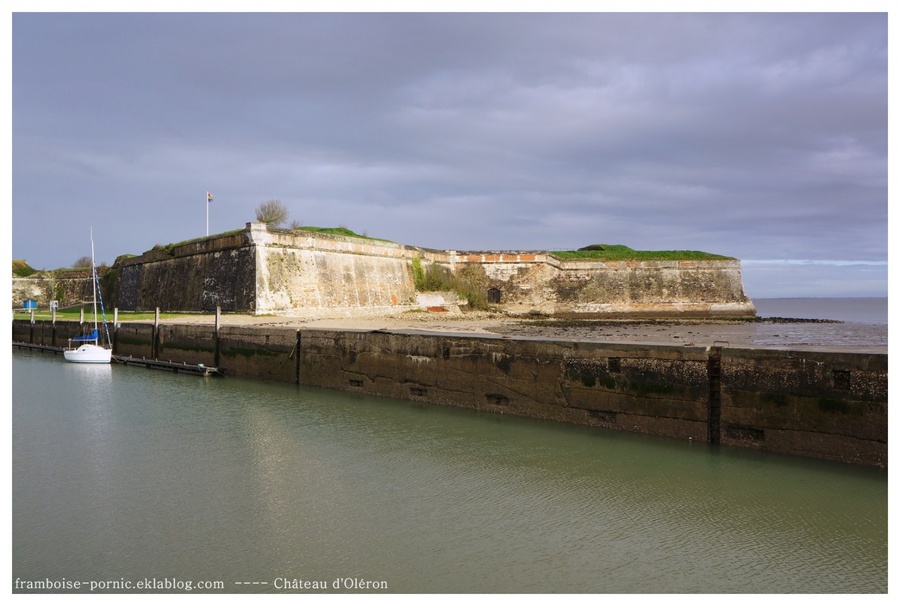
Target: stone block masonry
(218, 271)
(303, 273)
(66, 287)
(828, 405)
(538, 281)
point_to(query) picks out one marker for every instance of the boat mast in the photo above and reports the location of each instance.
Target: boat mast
(94, 281)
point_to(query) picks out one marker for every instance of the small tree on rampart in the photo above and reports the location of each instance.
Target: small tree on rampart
(271, 212)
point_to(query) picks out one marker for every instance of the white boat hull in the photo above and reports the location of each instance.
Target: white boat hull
(88, 354)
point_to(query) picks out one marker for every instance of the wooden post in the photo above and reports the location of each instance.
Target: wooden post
(297, 345)
(155, 345)
(218, 325)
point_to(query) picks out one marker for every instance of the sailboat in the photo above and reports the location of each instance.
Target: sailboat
(86, 349)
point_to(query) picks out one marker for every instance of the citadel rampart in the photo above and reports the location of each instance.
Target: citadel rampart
(829, 405)
(265, 271)
(67, 287)
(195, 276)
(539, 281)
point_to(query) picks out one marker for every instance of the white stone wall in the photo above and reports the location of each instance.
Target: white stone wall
(303, 275)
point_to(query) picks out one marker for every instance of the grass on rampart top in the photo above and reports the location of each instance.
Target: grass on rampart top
(337, 231)
(620, 252)
(173, 245)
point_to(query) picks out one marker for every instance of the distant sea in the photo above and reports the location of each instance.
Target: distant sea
(862, 323)
(856, 310)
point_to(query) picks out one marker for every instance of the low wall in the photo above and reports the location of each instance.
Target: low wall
(818, 404)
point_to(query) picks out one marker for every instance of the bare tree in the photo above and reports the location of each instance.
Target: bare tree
(82, 262)
(271, 212)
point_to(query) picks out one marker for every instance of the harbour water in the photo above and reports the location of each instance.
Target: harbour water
(129, 480)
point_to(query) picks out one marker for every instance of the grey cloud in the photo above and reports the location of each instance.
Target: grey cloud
(755, 135)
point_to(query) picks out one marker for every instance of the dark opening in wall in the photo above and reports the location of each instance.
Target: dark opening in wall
(841, 379)
(493, 295)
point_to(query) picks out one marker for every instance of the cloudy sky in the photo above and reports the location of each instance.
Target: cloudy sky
(761, 136)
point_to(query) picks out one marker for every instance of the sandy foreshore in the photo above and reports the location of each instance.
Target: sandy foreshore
(819, 336)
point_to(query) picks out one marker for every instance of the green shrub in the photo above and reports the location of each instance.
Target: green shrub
(21, 269)
(438, 278)
(418, 273)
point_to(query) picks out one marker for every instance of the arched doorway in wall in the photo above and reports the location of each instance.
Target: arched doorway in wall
(494, 295)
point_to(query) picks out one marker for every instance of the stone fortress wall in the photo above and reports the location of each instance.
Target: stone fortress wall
(69, 287)
(281, 272)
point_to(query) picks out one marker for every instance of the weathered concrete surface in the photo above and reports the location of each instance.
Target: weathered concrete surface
(137, 340)
(43, 333)
(555, 381)
(259, 353)
(826, 405)
(180, 343)
(830, 405)
(807, 403)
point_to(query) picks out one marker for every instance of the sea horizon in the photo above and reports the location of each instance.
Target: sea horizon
(862, 310)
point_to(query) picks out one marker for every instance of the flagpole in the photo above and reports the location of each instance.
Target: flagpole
(208, 202)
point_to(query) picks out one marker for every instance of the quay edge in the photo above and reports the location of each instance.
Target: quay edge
(827, 405)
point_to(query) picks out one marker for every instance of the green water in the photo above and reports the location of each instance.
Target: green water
(124, 475)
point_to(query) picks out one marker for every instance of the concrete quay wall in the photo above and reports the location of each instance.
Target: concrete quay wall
(818, 404)
(828, 405)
